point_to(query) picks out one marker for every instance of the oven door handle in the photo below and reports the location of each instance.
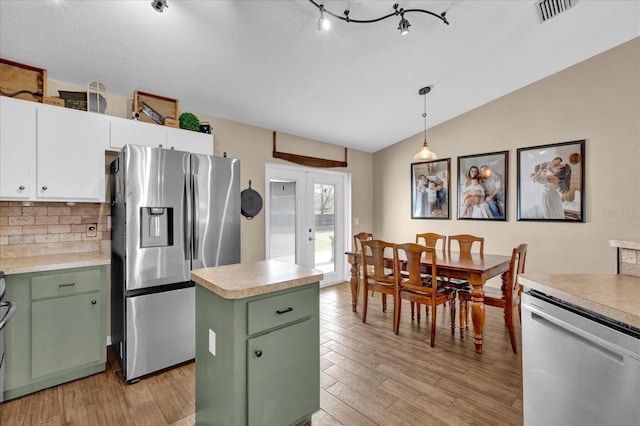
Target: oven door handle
(12, 310)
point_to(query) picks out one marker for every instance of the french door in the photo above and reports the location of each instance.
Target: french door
(306, 218)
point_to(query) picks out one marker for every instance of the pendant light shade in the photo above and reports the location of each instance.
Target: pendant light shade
(425, 153)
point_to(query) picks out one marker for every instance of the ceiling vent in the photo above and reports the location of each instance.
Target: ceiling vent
(547, 9)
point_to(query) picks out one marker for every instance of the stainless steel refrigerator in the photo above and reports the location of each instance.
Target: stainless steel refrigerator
(171, 212)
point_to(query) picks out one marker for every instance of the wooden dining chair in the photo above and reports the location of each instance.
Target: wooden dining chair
(466, 244)
(429, 239)
(507, 297)
(416, 287)
(376, 276)
(357, 246)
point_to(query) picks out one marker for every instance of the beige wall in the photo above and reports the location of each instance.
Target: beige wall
(253, 146)
(597, 100)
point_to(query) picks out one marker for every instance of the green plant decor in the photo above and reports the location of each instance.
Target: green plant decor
(189, 121)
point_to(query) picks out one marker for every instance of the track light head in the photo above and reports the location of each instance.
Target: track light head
(159, 5)
(404, 25)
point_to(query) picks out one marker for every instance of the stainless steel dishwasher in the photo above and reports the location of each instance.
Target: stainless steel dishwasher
(6, 312)
(578, 367)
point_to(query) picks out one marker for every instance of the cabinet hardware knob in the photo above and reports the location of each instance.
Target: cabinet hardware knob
(21, 188)
(93, 302)
(258, 353)
(44, 188)
(159, 145)
(289, 309)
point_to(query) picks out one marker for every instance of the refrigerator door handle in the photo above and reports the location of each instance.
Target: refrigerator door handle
(194, 219)
(186, 217)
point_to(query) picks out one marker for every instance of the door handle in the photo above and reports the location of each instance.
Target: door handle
(311, 239)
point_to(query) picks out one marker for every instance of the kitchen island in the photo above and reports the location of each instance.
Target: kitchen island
(257, 344)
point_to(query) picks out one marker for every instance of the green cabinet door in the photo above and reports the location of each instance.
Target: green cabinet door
(282, 374)
(65, 333)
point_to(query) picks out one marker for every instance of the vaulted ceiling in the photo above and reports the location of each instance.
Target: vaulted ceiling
(266, 64)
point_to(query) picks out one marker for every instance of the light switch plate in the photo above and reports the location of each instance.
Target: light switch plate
(212, 342)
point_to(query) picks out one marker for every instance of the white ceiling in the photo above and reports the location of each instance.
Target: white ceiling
(265, 63)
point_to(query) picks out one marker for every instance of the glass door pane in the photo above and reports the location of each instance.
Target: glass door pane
(324, 201)
(282, 220)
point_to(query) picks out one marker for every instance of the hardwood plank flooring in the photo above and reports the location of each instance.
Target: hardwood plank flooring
(369, 376)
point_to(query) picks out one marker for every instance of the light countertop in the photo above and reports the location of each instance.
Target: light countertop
(615, 296)
(51, 262)
(627, 244)
(251, 279)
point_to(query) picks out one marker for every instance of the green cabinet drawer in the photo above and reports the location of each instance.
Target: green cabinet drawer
(65, 284)
(270, 312)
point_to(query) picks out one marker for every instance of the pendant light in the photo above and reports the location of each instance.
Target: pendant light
(425, 153)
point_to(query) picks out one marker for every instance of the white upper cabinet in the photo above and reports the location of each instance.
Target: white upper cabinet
(134, 132)
(70, 154)
(49, 153)
(125, 131)
(186, 140)
(17, 149)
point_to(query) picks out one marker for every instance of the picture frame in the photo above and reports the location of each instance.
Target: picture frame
(430, 189)
(551, 184)
(483, 197)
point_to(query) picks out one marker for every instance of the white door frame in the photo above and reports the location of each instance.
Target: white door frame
(343, 225)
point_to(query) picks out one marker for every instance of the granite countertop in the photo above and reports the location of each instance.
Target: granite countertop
(51, 262)
(615, 296)
(251, 279)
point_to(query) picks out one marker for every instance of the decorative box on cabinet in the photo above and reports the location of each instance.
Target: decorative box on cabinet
(58, 332)
(257, 357)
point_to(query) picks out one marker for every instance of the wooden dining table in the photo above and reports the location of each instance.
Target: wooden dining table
(476, 269)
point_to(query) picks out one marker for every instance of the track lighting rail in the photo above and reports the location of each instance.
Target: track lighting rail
(396, 11)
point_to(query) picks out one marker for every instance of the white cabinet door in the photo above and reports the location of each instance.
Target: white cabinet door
(17, 148)
(70, 154)
(134, 132)
(186, 140)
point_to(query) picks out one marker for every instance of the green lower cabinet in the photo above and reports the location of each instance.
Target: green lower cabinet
(58, 332)
(266, 367)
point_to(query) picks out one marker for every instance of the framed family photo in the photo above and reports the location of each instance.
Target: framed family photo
(482, 186)
(430, 185)
(551, 182)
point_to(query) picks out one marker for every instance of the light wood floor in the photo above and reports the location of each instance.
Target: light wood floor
(368, 376)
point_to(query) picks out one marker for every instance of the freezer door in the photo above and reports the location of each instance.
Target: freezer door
(157, 198)
(216, 211)
(160, 331)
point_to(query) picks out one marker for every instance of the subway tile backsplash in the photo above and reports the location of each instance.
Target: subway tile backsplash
(51, 228)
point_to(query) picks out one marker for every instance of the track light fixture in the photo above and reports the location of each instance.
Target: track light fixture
(425, 153)
(159, 5)
(403, 26)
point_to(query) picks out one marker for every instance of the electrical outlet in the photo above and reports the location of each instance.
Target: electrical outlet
(92, 230)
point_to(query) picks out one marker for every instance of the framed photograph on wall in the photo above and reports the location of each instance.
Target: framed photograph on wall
(430, 184)
(482, 186)
(551, 182)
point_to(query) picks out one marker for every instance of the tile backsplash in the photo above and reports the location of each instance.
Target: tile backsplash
(629, 261)
(52, 228)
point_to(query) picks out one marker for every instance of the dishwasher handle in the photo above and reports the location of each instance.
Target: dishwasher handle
(612, 351)
(12, 310)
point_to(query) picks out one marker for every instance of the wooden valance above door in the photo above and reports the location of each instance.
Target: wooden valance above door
(306, 160)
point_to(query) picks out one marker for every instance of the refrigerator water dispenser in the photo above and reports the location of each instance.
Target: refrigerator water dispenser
(157, 226)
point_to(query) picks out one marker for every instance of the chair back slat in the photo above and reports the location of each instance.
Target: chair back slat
(411, 256)
(359, 238)
(466, 243)
(431, 239)
(373, 255)
(516, 266)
